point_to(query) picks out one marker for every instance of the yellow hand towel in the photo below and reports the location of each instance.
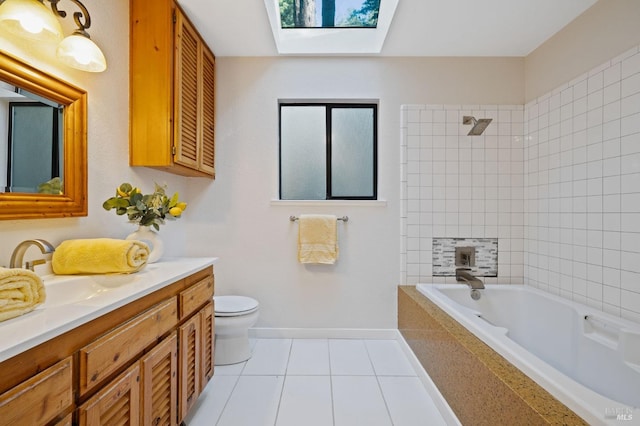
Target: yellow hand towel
(317, 239)
(21, 290)
(99, 256)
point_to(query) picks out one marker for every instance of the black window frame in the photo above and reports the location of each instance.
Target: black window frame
(329, 106)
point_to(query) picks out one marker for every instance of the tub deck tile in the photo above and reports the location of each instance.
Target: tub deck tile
(481, 386)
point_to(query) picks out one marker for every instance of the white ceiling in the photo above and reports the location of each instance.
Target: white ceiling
(419, 27)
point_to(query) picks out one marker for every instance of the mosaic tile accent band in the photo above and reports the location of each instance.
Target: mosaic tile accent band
(444, 254)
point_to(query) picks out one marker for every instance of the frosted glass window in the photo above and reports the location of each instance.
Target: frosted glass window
(328, 151)
(302, 153)
(352, 153)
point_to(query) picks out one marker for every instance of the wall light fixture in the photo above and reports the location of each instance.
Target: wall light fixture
(31, 19)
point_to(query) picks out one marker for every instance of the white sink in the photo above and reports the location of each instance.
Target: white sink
(66, 290)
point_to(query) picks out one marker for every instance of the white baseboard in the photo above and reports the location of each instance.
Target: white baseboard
(323, 333)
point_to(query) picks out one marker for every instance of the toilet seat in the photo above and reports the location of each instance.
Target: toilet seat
(232, 306)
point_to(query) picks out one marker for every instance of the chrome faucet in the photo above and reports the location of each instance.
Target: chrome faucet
(463, 275)
(17, 258)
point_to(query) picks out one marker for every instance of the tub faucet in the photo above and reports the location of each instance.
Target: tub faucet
(17, 258)
(463, 274)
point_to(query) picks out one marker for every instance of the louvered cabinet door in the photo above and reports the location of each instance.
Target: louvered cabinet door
(187, 93)
(160, 383)
(189, 364)
(207, 321)
(208, 146)
(171, 91)
(117, 404)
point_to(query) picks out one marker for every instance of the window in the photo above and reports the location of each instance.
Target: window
(328, 151)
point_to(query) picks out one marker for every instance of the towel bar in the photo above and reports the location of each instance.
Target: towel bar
(343, 218)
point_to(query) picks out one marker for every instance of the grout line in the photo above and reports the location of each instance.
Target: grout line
(224, 406)
(333, 405)
(284, 381)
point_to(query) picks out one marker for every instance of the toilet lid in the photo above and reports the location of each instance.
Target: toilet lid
(234, 305)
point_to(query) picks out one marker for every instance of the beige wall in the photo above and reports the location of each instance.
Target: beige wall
(108, 137)
(605, 30)
(235, 218)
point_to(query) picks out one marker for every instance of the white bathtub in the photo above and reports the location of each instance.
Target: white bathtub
(587, 359)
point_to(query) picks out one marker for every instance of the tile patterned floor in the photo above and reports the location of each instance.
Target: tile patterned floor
(323, 382)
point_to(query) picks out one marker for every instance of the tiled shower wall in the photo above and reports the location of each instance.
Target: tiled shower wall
(582, 180)
(454, 185)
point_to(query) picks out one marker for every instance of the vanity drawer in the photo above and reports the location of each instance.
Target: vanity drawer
(24, 403)
(117, 348)
(195, 296)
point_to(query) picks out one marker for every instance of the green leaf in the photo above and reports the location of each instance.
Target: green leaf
(114, 202)
(174, 200)
(135, 198)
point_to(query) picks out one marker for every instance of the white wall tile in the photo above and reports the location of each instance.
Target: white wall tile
(630, 85)
(558, 178)
(470, 179)
(586, 195)
(631, 65)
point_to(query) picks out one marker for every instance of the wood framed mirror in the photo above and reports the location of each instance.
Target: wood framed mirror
(71, 197)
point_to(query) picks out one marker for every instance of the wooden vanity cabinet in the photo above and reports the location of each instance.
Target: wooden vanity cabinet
(108, 354)
(144, 363)
(159, 369)
(118, 403)
(207, 321)
(145, 394)
(172, 91)
(196, 357)
(40, 399)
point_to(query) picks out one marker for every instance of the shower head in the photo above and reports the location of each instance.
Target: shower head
(478, 125)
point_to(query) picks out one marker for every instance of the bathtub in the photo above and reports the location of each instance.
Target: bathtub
(587, 359)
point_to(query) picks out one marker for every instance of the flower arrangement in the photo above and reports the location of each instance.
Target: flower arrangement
(145, 209)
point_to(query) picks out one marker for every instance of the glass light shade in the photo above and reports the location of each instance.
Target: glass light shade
(79, 52)
(30, 19)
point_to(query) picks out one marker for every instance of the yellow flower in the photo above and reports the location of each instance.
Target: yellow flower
(121, 192)
(175, 211)
(181, 205)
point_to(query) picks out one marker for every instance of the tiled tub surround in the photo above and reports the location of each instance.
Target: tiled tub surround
(486, 256)
(480, 386)
(582, 181)
(563, 201)
(459, 186)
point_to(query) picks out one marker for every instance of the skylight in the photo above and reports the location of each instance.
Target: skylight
(329, 13)
(357, 27)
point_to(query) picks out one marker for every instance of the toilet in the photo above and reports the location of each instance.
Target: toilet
(234, 316)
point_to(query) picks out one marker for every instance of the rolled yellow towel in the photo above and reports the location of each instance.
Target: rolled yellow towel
(21, 290)
(99, 256)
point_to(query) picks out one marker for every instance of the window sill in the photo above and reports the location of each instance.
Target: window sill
(356, 203)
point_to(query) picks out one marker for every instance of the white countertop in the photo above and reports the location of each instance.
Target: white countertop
(73, 300)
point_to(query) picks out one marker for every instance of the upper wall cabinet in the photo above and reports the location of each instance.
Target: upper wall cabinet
(172, 92)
